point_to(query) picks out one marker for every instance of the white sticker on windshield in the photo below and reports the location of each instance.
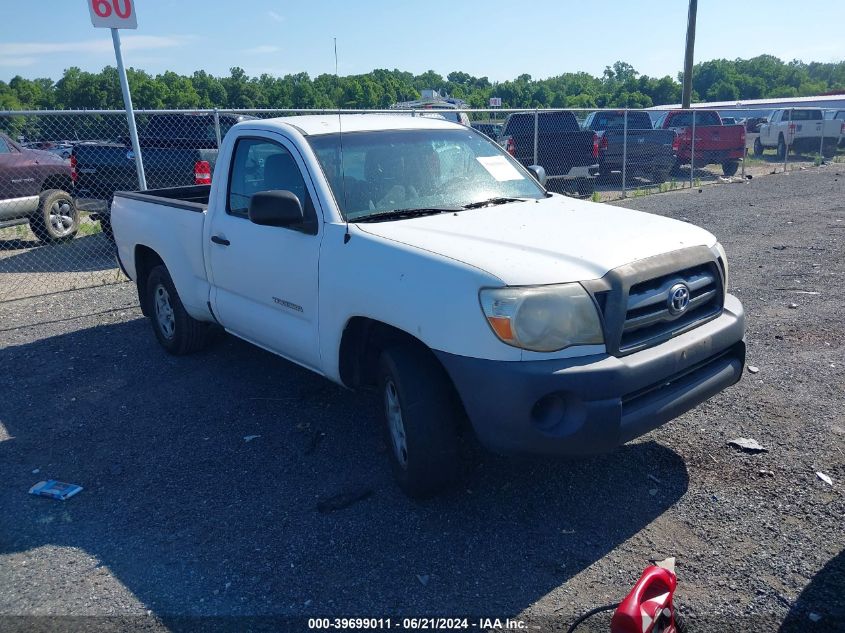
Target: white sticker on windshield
(500, 168)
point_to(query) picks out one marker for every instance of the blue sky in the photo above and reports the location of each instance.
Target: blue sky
(497, 38)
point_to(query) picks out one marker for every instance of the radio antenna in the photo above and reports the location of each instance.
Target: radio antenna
(346, 236)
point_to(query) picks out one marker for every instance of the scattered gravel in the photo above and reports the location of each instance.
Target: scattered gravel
(182, 517)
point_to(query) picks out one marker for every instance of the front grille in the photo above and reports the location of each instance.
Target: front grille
(648, 317)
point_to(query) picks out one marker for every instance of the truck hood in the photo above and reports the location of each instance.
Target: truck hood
(553, 240)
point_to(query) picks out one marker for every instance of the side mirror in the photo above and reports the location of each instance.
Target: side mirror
(275, 208)
(539, 174)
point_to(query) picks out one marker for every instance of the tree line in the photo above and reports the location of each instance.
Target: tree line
(619, 86)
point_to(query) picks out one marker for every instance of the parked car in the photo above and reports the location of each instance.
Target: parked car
(62, 149)
(568, 154)
(801, 130)
(838, 115)
(177, 149)
(413, 257)
(714, 142)
(752, 124)
(729, 120)
(36, 188)
(489, 129)
(648, 152)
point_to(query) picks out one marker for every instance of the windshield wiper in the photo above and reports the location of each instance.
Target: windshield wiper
(398, 214)
(492, 201)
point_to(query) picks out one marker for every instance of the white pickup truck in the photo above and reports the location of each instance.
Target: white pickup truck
(415, 255)
(803, 130)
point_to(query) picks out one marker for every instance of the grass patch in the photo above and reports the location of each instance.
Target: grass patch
(89, 228)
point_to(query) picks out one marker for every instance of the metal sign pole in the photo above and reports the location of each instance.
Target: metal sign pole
(130, 114)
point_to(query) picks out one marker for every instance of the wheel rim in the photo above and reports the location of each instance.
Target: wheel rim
(62, 221)
(393, 411)
(164, 312)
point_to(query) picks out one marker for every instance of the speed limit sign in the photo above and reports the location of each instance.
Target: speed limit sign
(113, 14)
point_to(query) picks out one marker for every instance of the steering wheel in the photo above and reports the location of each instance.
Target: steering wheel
(452, 183)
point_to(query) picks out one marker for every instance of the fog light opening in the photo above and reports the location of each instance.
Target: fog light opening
(547, 413)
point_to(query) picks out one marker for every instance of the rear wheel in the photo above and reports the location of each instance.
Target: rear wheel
(781, 148)
(422, 415)
(105, 227)
(758, 147)
(660, 176)
(729, 167)
(176, 330)
(585, 186)
(57, 218)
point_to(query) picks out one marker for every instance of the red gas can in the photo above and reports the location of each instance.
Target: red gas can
(648, 607)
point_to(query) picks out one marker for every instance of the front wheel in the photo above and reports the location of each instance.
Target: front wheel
(57, 218)
(758, 147)
(781, 148)
(729, 167)
(176, 330)
(421, 419)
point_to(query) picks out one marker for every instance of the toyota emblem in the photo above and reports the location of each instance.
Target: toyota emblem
(678, 300)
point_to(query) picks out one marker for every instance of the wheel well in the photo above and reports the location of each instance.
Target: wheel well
(57, 181)
(361, 345)
(145, 260)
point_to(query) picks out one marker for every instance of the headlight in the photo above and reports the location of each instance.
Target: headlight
(542, 318)
(721, 251)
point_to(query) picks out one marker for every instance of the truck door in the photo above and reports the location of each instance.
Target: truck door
(17, 180)
(265, 278)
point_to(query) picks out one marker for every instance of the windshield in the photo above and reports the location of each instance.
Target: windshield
(391, 170)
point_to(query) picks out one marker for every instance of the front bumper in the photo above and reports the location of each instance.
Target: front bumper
(590, 405)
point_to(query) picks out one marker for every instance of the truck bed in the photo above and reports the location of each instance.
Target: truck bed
(190, 197)
(156, 220)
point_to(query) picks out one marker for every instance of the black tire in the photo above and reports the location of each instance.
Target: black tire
(424, 455)
(185, 335)
(758, 147)
(57, 218)
(781, 148)
(105, 227)
(729, 167)
(659, 176)
(829, 150)
(676, 169)
(585, 186)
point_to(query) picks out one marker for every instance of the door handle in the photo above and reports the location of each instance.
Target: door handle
(220, 240)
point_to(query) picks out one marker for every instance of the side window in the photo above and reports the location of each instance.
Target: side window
(262, 165)
(4, 146)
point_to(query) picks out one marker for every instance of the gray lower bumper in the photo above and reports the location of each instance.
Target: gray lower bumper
(589, 405)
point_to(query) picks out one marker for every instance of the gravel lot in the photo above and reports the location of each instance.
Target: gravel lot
(182, 517)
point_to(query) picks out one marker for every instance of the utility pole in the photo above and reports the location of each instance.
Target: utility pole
(687, 94)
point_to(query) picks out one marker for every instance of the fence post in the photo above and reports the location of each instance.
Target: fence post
(536, 132)
(624, 155)
(786, 140)
(821, 144)
(692, 151)
(217, 127)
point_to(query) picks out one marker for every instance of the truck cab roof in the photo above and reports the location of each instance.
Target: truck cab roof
(316, 124)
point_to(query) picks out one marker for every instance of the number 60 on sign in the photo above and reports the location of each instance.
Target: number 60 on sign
(113, 14)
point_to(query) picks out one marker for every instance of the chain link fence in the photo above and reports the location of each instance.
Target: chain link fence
(59, 169)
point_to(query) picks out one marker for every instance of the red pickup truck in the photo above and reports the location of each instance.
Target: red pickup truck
(714, 142)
